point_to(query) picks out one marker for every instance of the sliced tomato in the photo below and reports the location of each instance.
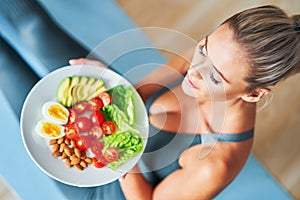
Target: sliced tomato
(106, 98)
(95, 133)
(97, 118)
(71, 131)
(72, 116)
(108, 127)
(83, 142)
(84, 124)
(95, 104)
(111, 154)
(96, 148)
(99, 162)
(80, 107)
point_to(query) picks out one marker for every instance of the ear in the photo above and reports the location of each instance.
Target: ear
(256, 95)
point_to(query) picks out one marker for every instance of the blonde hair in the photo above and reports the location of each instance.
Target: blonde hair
(270, 39)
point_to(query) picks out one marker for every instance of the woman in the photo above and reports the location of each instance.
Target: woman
(213, 110)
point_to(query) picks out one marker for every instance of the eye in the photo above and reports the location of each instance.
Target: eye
(202, 50)
(215, 79)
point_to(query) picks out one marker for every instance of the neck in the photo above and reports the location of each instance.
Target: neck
(239, 105)
(230, 116)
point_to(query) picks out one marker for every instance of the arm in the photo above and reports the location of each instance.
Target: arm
(135, 186)
(200, 179)
(203, 182)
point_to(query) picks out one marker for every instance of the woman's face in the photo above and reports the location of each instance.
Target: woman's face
(218, 68)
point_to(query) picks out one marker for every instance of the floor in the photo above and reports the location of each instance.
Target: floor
(277, 133)
(5, 192)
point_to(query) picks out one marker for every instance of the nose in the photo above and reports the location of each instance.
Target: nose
(195, 72)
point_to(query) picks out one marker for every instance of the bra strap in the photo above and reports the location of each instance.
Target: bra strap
(224, 137)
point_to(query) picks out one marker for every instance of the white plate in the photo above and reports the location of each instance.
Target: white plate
(38, 147)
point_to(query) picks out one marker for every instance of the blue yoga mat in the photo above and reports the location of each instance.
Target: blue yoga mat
(93, 23)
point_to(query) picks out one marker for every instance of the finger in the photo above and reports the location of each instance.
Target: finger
(86, 61)
(122, 179)
(77, 61)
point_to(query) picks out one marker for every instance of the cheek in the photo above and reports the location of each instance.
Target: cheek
(234, 92)
(215, 92)
(218, 93)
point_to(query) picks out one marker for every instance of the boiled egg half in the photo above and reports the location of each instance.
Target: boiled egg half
(50, 130)
(55, 112)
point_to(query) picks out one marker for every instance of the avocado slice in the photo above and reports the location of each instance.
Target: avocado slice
(63, 90)
(70, 99)
(89, 90)
(83, 80)
(97, 88)
(78, 88)
(91, 81)
(78, 92)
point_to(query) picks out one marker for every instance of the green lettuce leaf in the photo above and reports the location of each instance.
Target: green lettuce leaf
(113, 113)
(129, 144)
(123, 98)
(121, 112)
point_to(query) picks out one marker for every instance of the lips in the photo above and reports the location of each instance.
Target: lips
(190, 82)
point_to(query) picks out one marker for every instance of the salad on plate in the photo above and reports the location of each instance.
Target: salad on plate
(89, 124)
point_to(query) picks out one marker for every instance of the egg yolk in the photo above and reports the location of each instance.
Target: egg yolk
(50, 129)
(57, 112)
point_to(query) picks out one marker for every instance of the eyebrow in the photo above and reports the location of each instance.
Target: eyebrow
(218, 71)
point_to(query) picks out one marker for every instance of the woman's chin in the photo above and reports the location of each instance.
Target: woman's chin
(187, 89)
